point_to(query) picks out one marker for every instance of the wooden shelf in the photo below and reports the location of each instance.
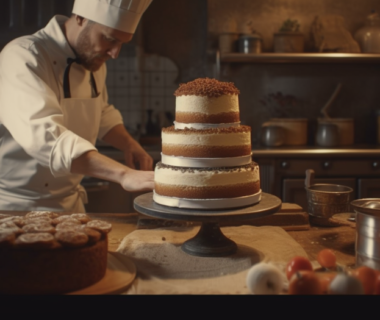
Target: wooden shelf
(300, 58)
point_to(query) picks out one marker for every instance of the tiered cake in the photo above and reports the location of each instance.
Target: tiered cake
(206, 158)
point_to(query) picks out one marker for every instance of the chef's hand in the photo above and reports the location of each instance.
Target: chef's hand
(136, 180)
(97, 165)
(135, 154)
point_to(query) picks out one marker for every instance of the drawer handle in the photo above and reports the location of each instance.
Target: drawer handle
(326, 164)
(284, 164)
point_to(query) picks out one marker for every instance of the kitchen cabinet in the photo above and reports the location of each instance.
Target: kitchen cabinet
(368, 188)
(283, 171)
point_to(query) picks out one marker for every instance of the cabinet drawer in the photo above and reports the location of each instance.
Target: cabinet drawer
(368, 188)
(333, 167)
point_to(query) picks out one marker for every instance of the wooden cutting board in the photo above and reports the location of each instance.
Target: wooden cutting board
(289, 217)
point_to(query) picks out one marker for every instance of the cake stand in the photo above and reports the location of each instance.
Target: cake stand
(209, 241)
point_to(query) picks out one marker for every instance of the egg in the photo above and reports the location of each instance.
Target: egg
(265, 278)
(345, 284)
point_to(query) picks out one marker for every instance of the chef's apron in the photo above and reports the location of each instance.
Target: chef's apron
(81, 116)
(42, 191)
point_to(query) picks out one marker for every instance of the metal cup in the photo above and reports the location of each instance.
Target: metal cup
(325, 200)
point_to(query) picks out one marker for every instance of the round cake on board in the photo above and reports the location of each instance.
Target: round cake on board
(49, 253)
(206, 160)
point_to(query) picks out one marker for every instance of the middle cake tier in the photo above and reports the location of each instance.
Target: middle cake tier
(207, 143)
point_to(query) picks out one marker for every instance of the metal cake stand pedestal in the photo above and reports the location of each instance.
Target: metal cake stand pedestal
(209, 241)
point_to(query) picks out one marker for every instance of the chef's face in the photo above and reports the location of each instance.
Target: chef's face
(97, 43)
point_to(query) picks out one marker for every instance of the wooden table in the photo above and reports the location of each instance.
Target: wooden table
(311, 238)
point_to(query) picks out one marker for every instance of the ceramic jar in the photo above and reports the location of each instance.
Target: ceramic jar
(228, 42)
(272, 135)
(345, 129)
(295, 130)
(368, 36)
(327, 135)
(286, 42)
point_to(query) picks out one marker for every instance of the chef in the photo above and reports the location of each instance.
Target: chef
(54, 106)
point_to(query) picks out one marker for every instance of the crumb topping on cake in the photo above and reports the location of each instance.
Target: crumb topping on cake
(249, 167)
(206, 87)
(239, 129)
(49, 230)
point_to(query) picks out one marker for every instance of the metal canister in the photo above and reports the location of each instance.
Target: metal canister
(367, 242)
(250, 43)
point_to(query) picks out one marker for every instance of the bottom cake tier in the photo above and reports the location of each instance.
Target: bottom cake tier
(208, 204)
(206, 183)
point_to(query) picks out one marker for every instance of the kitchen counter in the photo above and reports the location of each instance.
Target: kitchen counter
(354, 151)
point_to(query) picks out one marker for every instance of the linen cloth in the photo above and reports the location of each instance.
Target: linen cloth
(163, 268)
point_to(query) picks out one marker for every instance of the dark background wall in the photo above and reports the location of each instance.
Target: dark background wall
(186, 32)
(177, 29)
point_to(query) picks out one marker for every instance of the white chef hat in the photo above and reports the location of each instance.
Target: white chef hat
(122, 15)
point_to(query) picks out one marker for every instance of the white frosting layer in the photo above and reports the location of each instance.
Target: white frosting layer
(196, 139)
(199, 178)
(180, 125)
(188, 162)
(208, 105)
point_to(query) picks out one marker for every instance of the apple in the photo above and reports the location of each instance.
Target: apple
(377, 283)
(327, 258)
(367, 277)
(305, 282)
(296, 264)
(325, 278)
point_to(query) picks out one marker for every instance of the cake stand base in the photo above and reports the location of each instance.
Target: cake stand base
(209, 241)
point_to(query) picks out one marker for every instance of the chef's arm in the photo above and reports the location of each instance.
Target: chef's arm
(119, 138)
(96, 165)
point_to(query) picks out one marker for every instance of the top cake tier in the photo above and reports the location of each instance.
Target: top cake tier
(207, 100)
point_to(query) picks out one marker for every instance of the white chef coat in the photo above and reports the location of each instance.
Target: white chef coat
(41, 131)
